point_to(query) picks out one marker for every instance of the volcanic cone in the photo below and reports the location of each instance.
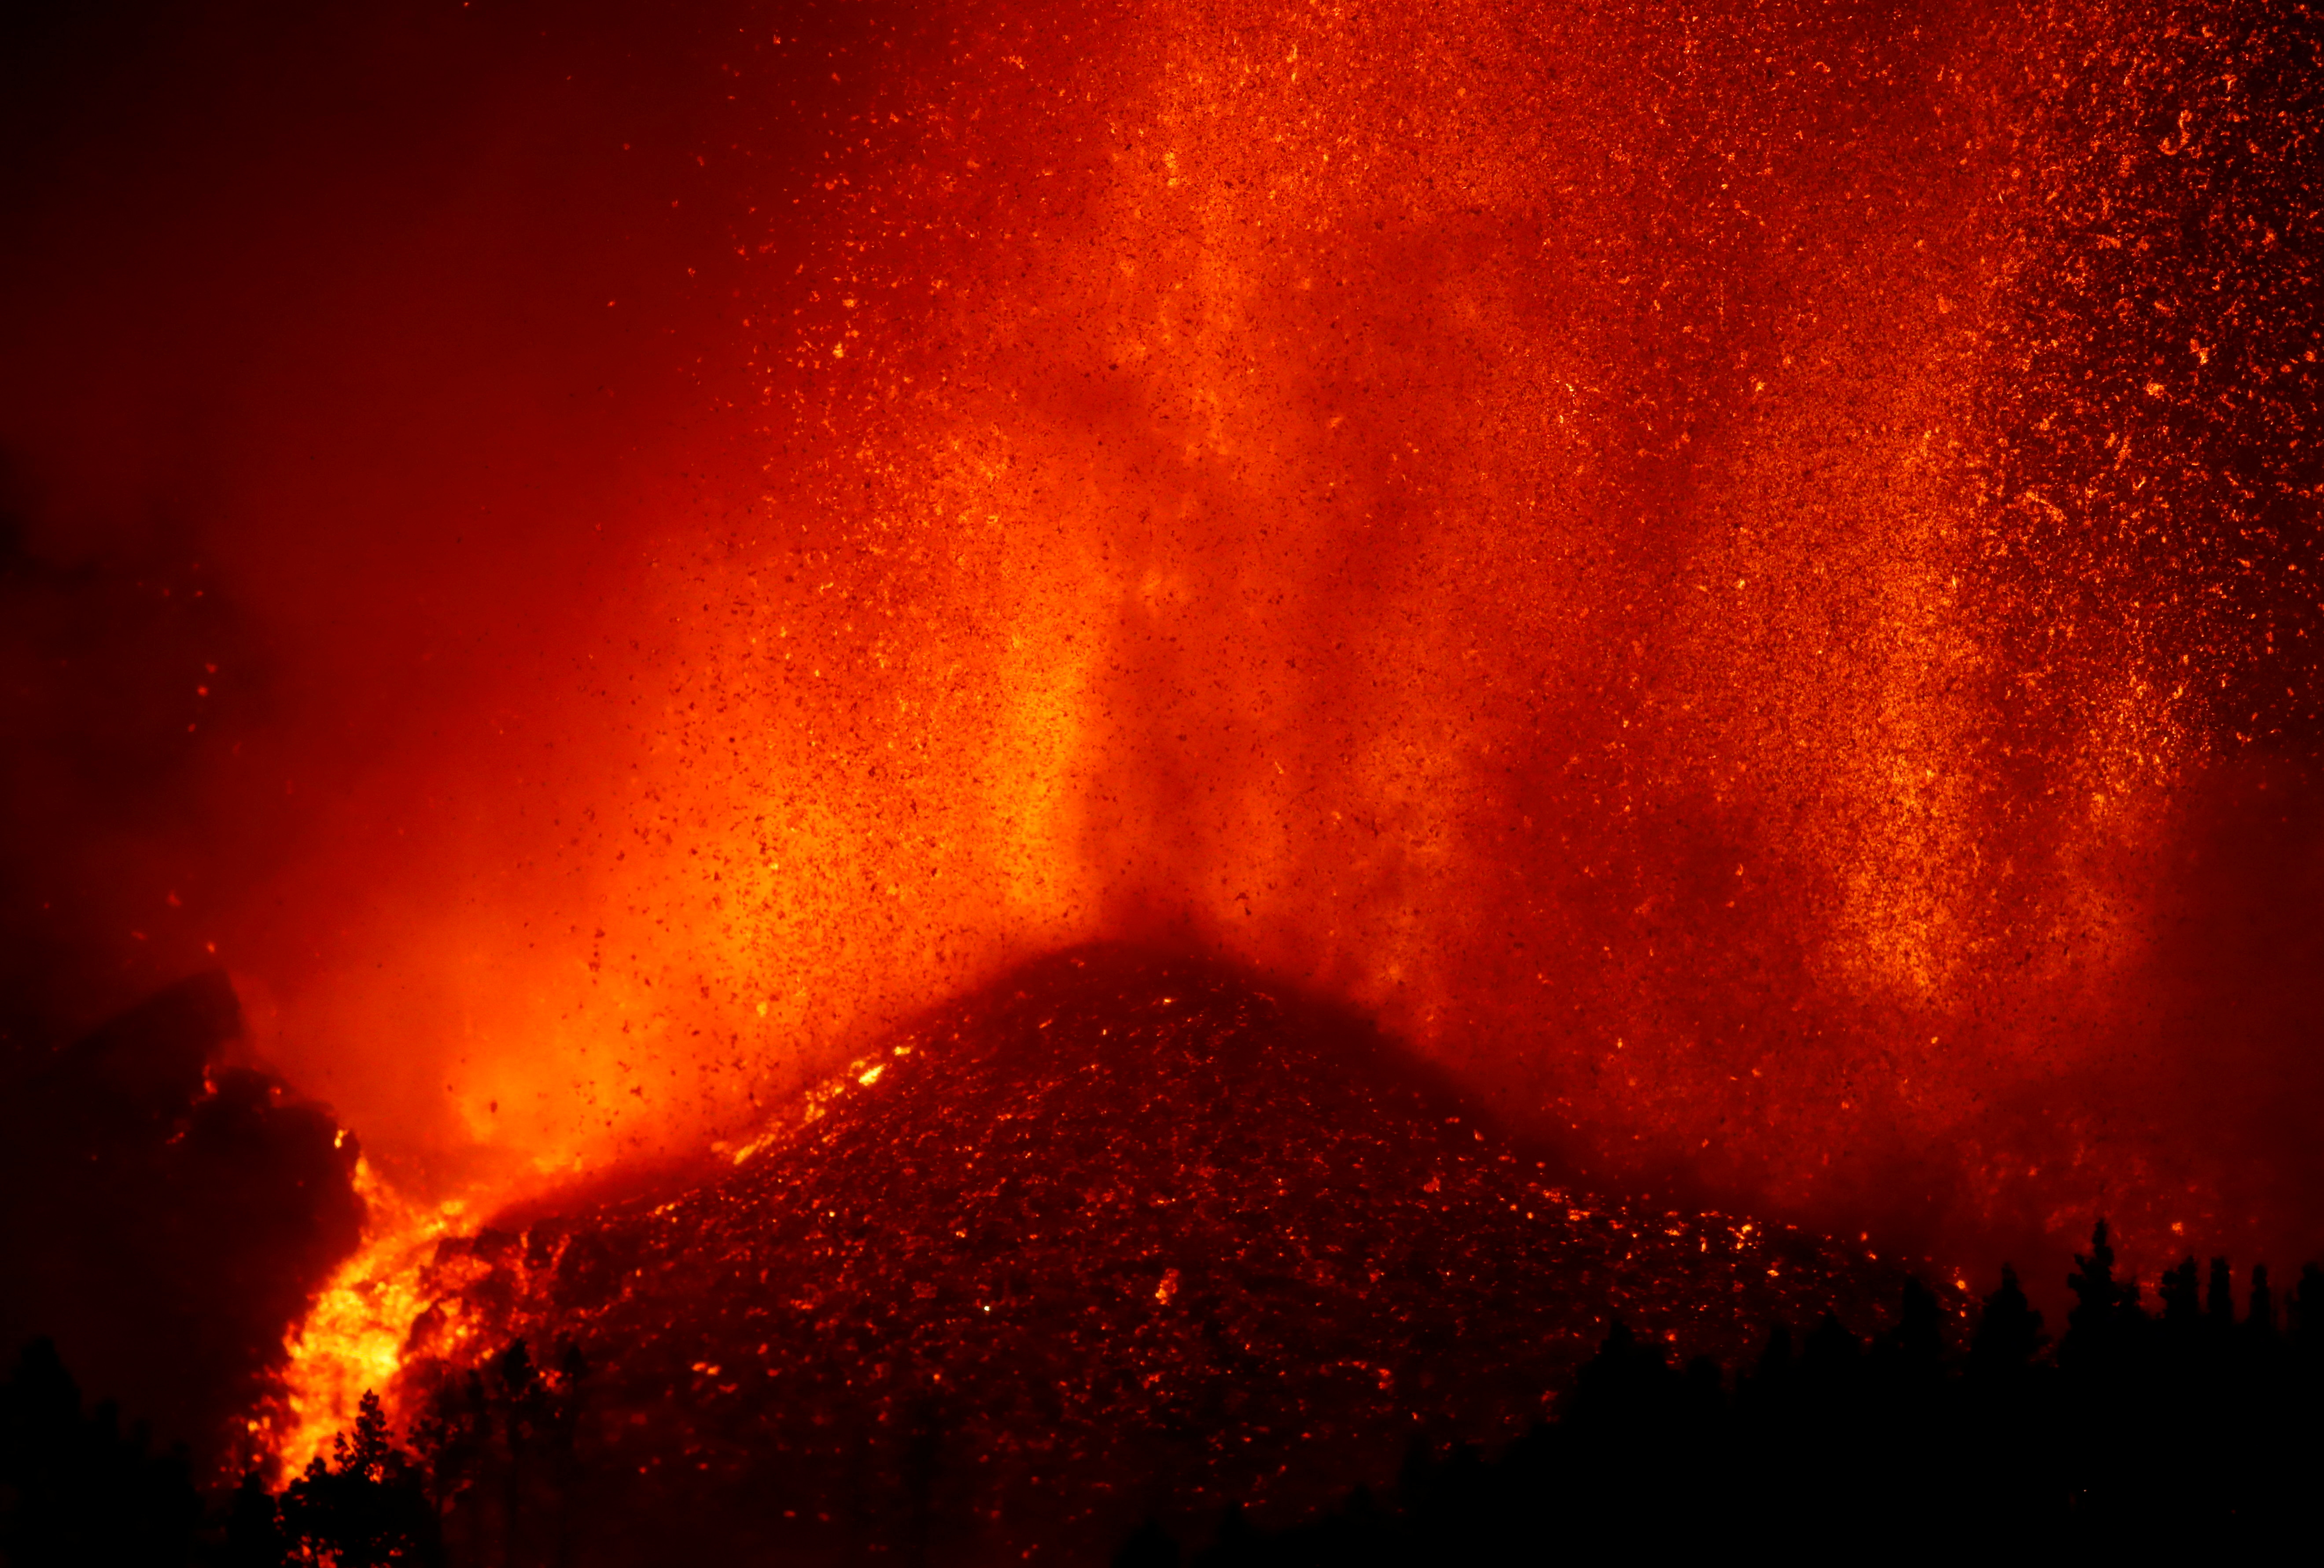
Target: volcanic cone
(1125, 1234)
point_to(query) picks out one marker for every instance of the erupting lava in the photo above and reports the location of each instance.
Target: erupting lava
(1121, 1235)
(355, 1336)
(1742, 579)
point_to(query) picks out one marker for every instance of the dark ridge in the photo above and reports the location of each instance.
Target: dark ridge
(1125, 1234)
(165, 1218)
(142, 1069)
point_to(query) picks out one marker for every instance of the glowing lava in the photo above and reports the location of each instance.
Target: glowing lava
(1123, 1233)
(354, 1337)
(1742, 578)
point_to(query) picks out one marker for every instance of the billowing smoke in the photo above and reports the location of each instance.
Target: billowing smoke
(166, 1218)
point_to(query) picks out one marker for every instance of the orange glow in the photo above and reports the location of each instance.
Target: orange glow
(1356, 491)
(1709, 569)
(354, 1337)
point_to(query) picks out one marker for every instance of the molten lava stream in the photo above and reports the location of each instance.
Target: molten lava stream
(1124, 1231)
(353, 1339)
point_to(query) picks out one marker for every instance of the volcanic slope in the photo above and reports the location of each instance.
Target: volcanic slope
(1123, 1235)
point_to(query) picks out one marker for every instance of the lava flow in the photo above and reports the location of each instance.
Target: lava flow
(1740, 580)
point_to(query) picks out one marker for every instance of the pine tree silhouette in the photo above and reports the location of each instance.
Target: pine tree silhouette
(369, 1506)
(2308, 1310)
(2008, 1334)
(76, 1490)
(2219, 1306)
(452, 1437)
(2162, 1442)
(561, 1451)
(2105, 1314)
(253, 1526)
(518, 1384)
(500, 1447)
(1916, 1345)
(1623, 1393)
(2259, 1310)
(2182, 1299)
(1771, 1374)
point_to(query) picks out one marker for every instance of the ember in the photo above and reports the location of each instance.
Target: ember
(1739, 581)
(1123, 1235)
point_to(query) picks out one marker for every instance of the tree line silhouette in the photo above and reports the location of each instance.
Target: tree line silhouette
(2187, 1424)
(490, 1476)
(2137, 1431)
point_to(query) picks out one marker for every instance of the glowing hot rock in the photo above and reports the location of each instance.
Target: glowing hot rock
(1121, 1233)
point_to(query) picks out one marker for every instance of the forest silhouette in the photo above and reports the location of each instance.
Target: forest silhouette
(2191, 1423)
(2133, 1430)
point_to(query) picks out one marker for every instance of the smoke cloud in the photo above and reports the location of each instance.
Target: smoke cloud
(1743, 580)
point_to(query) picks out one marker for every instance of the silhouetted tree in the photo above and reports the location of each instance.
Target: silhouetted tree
(2182, 1299)
(2308, 1310)
(1622, 1389)
(369, 1506)
(1915, 1350)
(452, 1437)
(500, 1448)
(2154, 1442)
(76, 1490)
(2105, 1313)
(2259, 1310)
(522, 1396)
(1830, 1351)
(253, 1526)
(1769, 1381)
(1701, 1392)
(2219, 1307)
(561, 1447)
(2008, 1334)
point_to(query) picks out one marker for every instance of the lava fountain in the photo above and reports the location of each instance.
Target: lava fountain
(1740, 580)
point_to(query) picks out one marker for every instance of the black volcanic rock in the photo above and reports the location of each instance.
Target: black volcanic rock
(1123, 1235)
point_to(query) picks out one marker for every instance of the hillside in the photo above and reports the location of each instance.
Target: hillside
(1124, 1233)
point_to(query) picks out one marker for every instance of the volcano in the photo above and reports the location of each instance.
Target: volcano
(1125, 1234)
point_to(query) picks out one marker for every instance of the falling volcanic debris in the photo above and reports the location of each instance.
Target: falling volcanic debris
(1741, 579)
(1124, 1234)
